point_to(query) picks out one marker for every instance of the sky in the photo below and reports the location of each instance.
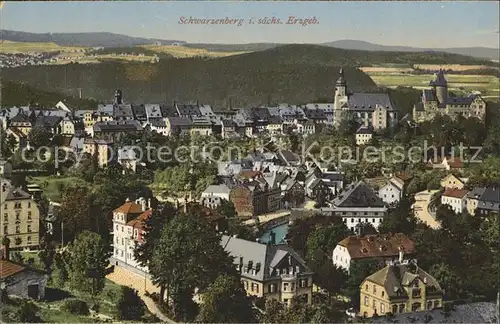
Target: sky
(419, 24)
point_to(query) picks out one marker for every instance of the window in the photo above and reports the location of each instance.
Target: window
(271, 288)
(366, 301)
(17, 215)
(394, 309)
(415, 307)
(436, 304)
(18, 230)
(366, 287)
(383, 293)
(29, 228)
(5, 230)
(285, 286)
(415, 293)
(5, 217)
(382, 308)
(374, 305)
(29, 204)
(429, 305)
(374, 289)
(29, 215)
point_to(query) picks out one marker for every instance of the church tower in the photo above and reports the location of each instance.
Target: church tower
(340, 100)
(340, 85)
(440, 87)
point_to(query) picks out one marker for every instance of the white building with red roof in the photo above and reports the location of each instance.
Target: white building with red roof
(380, 247)
(128, 230)
(456, 199)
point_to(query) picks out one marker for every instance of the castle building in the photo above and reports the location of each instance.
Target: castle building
(374, 110)
(437, 100)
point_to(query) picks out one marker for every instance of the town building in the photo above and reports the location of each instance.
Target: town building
(399, 288)
(438, 101)
(392, 192)
(445, 163)
(20, 218)
(374, 110)
(456, 199)
(255, 197)
(363, 135)
(270, 271)
(114, 130)
(213, 196)
(451, 181)
(489, 201)
(385, 248)
(128, 230)
(102, 150)
(20, 280)
(357, 203)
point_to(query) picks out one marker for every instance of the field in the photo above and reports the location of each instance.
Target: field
(53, 187)
(182, 51)
(28, 47)
(488, 85)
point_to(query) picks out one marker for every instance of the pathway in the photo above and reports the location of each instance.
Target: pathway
(124, 277)
(267, 217)
(421, 207)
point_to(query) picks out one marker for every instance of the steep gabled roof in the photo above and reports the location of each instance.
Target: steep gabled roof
(379, 245)
(129, 208)
(358, 194)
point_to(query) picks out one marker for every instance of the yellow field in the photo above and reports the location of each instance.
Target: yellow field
(26, 47)
(453, 67)
(375, 69)
(488, 85)
(182, 51)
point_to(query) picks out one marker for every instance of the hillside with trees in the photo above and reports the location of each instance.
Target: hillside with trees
(20, 94)
(287, 74)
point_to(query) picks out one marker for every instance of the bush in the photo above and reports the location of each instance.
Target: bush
(27, 313)
(129, 306)
(75, 306)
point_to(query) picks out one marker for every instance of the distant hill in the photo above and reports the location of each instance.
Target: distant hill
(479, 52)
(292, 73)
(82, 39)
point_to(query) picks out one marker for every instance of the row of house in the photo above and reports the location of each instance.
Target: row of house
(479, 200)
(399, 286)
(269, 271)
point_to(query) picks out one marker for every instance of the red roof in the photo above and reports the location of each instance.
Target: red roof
(379, 245)
(129, 208)
(8, 268)
(250, 174)
(455, 193)
(455, 163)
(138, 222)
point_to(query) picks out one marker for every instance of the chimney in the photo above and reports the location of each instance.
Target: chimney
(5, 249)
(149, 203)
(272, 238)
(401, 254)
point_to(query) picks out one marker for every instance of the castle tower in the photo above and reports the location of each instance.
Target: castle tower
(118, 97)
(440, 87)
(340, 100)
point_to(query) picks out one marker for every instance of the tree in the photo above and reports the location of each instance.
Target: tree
(77, 213)
(227, 209)
(358, 271)
(320, 244)
(447, 279)
(188, 255)
(129, 306)
(275, 312)
(226, 301)
(153, 228)
(88, 260)
(400, 219)
(39, 137)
